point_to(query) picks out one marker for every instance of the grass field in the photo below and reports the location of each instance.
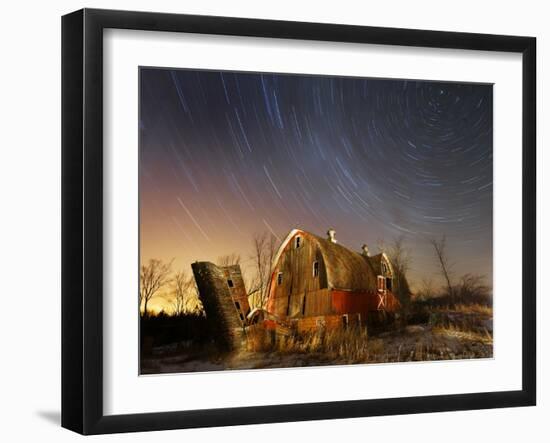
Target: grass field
(430, 332)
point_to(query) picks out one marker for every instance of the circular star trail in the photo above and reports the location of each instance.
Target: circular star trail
(225, 155)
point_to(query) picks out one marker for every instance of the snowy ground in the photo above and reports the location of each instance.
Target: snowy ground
(444, 338)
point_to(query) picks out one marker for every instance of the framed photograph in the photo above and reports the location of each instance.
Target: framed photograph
(269, 221)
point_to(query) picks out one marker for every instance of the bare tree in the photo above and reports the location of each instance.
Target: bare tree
(193, 303)
(182, 291)
(400, 258)
(472, 288)
(440, 249)
(263, 253)
(381, 246)
(229, 259)
(153, 276)
(426, 290)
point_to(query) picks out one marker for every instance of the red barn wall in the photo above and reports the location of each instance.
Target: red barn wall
(328, 322)
(354, 301)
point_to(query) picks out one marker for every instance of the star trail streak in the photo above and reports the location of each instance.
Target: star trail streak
(226, 155)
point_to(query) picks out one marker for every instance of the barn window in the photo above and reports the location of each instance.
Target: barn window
(316, 269)
(279, 278)
(298, 241)
(388, 283)
(230, 283)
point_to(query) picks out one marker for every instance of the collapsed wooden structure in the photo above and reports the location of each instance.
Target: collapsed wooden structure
(315, 284)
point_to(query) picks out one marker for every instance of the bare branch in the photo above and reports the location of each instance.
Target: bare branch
(400, 258)
(153, 277)
(263, 252)
(180, 285)
(440, 249)
(426, 290)
(229, 259)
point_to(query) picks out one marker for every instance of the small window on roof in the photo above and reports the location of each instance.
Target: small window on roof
(298, 241)
(230, 283)
(316, 269)
(279, 278)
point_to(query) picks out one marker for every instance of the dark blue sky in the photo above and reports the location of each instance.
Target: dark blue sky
(226, 155)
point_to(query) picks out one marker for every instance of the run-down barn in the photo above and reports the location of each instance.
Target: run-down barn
(315, 284)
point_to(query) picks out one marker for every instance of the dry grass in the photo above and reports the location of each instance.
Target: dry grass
(413, 343)
(443, 332)
(484, 337)
(460, 331)
(471, 308)
(350, 344)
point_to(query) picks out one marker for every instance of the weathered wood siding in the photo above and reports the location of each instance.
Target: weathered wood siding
(318, 302)
(237, 291)
(338, 302)
(363, 302)
(318, 323)
(290, 297)
(345, 287)
(224, 320)
(328, 322)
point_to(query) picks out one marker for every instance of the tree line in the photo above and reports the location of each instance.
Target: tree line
(183, 297)
(180, 288)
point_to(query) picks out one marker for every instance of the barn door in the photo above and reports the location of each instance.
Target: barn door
(381, 285)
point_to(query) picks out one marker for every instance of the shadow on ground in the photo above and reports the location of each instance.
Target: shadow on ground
(53, 417)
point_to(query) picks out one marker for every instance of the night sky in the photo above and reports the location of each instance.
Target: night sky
(226, 155)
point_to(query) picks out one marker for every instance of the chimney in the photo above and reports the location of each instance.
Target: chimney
(331, 233)
(365, 249)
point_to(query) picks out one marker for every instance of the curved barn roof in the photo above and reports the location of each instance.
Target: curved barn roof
(346, 269)
(376, 263)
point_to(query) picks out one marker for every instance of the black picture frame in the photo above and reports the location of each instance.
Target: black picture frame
(82, 218)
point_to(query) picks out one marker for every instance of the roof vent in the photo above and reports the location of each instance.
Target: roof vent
(331, 233)
(365, 250)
